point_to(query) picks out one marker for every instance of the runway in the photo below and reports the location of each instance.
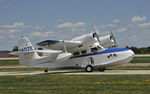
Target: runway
(107, 72)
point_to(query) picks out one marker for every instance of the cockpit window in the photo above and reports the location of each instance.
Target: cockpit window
(99, 48)
(76, 53)
(95, 49)
(83, 52)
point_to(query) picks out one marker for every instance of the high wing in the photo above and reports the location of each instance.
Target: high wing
(59, 44)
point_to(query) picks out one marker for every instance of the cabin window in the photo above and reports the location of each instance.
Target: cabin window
(94, 49)
(76, 53)
(83, 52)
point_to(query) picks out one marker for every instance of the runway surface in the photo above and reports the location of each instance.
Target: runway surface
(107, 72)
(19, 66)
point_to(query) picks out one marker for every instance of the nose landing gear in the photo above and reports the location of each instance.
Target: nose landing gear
(89, 68)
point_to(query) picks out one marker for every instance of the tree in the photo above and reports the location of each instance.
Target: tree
(15, 48)
(144, 50)
(148, 49)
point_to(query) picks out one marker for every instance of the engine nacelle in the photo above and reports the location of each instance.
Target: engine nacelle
(86, 40)
(107, 41)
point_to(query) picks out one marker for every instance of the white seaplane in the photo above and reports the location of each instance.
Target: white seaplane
(87, 51)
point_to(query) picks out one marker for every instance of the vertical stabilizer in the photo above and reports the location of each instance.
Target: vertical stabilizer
(27, 52)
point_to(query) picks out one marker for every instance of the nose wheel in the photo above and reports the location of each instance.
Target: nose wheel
(89, 68)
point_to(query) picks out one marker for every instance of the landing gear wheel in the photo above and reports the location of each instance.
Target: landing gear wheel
(89, 68)
(46, 70)
(102, 69)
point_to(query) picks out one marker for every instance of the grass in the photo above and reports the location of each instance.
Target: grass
(21, 69)
(9, 62)
(129, 68)
(34, 69)
(140, 60)
(72, 84)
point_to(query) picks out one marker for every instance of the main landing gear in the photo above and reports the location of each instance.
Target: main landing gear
(89, 68)
(46, 70)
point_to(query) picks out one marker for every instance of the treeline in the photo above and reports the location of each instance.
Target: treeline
(143, 50)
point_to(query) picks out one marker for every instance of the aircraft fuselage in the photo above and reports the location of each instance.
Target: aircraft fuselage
(106, 58)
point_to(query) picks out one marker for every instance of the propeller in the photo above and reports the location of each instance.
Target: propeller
(96, 35)
(112, 37)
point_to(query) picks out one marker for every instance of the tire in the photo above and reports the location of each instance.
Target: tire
(89, 68)
(46, 70)
(101, 69)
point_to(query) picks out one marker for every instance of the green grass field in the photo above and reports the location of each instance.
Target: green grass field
(72, 84)
(9, 62)
(129, 68)
(141, 60)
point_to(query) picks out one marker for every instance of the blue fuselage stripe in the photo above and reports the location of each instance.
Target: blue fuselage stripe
(110, 50)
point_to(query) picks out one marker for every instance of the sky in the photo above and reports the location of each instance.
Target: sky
(40, 20)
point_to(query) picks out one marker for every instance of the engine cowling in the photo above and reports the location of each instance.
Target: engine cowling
(107, 41)
(86, 40)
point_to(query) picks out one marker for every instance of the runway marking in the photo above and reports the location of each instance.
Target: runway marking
(142, 55)
(9, 58)
(107, 72)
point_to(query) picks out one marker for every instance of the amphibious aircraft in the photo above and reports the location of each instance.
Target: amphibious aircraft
(89, 51)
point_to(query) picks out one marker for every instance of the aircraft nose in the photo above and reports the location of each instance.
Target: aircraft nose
(130, 54)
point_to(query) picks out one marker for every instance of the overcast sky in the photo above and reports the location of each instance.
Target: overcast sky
(129, 20)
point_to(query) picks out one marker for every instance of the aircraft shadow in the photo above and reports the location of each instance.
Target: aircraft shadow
(61, 72)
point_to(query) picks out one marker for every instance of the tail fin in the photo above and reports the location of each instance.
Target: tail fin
(26, 51)
(25, 45)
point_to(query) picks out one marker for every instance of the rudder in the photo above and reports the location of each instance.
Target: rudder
(27, 52)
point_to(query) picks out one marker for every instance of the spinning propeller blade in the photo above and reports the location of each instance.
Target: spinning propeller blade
(112, 37)
(96, 35)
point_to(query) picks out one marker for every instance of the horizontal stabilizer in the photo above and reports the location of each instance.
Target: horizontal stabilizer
(15, 53)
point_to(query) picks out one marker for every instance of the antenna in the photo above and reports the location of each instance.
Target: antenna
(21, 34)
